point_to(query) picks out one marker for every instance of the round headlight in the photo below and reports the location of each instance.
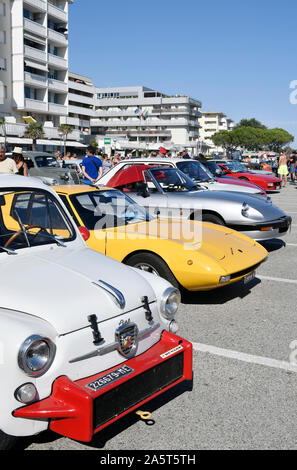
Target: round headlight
(170, 301)
(36, 355)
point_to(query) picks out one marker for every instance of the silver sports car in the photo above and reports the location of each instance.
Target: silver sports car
(168, 192)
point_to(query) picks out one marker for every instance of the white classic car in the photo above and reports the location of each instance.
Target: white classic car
(84, 339)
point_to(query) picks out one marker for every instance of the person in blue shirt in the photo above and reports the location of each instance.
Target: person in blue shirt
(91, 167)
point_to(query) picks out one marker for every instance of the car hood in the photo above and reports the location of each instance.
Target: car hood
(57, 285)
(217, 186)
(242, 183)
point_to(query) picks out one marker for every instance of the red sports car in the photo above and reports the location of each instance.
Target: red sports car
(236, 169)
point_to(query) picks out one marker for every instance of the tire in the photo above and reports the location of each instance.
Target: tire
(214, 219)
(153, 264)
(6, 441)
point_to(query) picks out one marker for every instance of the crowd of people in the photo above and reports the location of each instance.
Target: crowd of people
(94, 165)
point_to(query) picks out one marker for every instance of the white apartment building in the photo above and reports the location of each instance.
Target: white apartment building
(144, 119)
(81, 102)
(34, 67)
(211, 123)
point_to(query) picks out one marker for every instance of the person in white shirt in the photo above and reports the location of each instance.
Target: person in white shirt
(7, 165)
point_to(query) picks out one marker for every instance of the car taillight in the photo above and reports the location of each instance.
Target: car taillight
(85, 233)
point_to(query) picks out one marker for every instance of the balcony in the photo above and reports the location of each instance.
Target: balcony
(37, 4)
(36, 54)
(35, 80)
(57, 38)
(34, 27)
(57, 85)
(180, 122)
(56, 12)
(57, 61)
(81, 99)
(82, 111)
(60, 109)
(81, 87)
(35, 105)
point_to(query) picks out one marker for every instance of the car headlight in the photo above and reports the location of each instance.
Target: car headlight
(36, 355)
(170, 301)
(270, 185)
(245, 209)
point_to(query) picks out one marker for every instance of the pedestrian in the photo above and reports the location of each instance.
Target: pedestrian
(283, 168)
(292, 166)
(7, 165)
(17, 155)
(91, 167)
(106, 164)
(162, 152)
(184, 154)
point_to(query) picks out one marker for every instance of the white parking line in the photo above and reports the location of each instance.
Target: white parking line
(276, 279)
(239, 356)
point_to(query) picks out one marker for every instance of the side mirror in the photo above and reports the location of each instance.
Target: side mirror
(157, 212)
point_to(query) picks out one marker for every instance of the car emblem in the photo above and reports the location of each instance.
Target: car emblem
(127, 338)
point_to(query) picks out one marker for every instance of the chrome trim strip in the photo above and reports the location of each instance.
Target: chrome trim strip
(117, 295)
(114, 346)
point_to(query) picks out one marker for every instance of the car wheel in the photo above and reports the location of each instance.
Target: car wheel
(6, 441)
(214, 219)
(152, 264)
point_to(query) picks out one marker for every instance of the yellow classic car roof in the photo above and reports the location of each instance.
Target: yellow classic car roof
(78, 188)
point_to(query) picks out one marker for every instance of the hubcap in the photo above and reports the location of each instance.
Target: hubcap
(148, 268)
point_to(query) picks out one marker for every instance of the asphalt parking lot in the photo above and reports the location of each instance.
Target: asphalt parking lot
(245, 387)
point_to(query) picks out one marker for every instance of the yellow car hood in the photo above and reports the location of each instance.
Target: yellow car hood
(217, 241)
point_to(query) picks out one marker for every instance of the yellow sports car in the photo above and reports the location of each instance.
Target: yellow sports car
(195, 255)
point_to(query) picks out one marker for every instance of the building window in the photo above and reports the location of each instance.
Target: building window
(27, 14)
(2, 9)
(2, 64)
(27, 92)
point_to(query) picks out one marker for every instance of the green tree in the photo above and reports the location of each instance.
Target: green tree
(65, 130)
(34, 131)
(277, 138)
(223, 139)
(251, 123)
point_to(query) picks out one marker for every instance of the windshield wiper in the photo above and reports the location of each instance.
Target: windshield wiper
(9, 251)
(23, 228)
(55, 238)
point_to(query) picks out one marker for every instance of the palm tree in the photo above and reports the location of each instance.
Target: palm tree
(2, 125)
(65, 129)
(34, 131)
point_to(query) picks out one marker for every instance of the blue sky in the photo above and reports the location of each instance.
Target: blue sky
(238, 57)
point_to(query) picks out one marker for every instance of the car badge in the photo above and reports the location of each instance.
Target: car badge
(127, 339)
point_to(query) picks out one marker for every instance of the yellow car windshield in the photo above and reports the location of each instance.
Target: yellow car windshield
(107, 209)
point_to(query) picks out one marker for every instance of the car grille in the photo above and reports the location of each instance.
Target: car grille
(245, 271)
(125, 396)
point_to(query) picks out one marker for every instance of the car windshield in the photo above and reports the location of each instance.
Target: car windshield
(32, 218)
(235, 167)
(107, 209)
(44, 161)
(214, 168)
(171, 179)
(195, 170)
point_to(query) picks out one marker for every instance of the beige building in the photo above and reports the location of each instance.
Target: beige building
(211, 123)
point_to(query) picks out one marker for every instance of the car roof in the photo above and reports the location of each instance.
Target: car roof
(18, 181)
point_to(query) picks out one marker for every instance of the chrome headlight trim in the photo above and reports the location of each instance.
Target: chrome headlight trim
(245, 209)
(24, 359)
(166, 312)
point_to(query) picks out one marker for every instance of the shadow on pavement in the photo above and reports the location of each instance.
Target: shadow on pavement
(273, 245)
(221, 295)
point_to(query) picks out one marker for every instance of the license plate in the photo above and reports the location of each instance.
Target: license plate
(277, 187)
(249, 278)
(108, 379)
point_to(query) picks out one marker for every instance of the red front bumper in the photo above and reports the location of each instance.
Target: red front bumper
(78, 412)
